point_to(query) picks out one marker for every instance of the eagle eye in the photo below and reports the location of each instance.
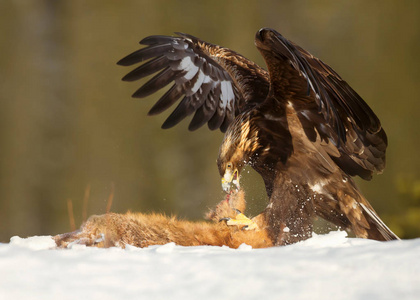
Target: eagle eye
(229, 166)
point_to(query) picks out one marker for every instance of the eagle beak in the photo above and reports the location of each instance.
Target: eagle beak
(230, 179)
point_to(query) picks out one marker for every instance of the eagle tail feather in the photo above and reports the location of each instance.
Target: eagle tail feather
(378, 229)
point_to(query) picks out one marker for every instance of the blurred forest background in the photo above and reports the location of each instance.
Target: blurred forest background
(68, 125)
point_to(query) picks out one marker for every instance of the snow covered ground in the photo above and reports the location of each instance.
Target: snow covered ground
(323, 267)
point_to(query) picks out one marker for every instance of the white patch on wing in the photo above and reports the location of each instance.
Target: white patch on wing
(224, 95)
(191, 73)
(207, 79)
(198, 83)
(231, 94)
(186, 64)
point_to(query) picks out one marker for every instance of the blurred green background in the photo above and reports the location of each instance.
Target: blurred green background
(67, 122)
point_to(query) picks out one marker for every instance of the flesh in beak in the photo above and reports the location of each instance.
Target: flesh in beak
(230, 179)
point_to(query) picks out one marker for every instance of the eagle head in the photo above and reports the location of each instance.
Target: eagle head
(238, 148)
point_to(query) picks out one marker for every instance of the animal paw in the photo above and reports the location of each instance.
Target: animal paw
(68, 240)
(97, 231)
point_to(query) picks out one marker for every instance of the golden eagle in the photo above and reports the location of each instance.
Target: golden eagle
(299, 125)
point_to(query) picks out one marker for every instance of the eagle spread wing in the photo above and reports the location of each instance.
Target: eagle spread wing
(327, 106)
(300, 125)
(216, 83)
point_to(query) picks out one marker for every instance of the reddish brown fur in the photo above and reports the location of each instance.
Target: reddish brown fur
(142, 230)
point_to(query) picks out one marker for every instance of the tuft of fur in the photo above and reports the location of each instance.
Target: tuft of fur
(142, 230)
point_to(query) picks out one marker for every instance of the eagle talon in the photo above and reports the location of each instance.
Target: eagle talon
(241, 221)
(238, 211)
(224, 219)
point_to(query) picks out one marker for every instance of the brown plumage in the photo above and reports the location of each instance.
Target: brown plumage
(299, 125)
(142, 230)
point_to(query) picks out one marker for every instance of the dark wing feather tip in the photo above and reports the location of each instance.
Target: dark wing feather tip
(150, 67)
(167, 100)
(145, 54)
(159, 81)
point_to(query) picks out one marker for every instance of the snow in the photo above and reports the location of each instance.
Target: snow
(328, 266)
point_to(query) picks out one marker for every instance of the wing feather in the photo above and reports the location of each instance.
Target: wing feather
(215, 81)
(184, 109)
(169, 98)
(145, 54)
(147, 69)
(326, 105)
(206, 111)
(156, 83)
